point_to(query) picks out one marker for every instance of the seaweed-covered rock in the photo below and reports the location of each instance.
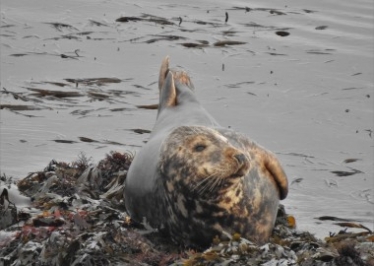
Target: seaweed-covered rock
(78, 217)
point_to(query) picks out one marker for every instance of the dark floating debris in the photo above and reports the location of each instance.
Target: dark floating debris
(321, 27)
(309, 11)
(165, 38)
(193, 45)
(146, 18)
(351, 88)
(18, 107)
(59, 84)
(347, 173)
(239, 84)
(276, 54)
(141, 131)
(228, 42)
(226, 17)
(148, 106)
(351, 160)
(59, 26)
(333, 218)
(321, 52)
(97, 23)
(17, 55)
(276, 12)
(94, 81)
(120, 109)
(97, 95)
(201, 22)
(297, 180)
(58, 94)
(282, 33)
(89, 140)
(128, 19)
(7, 26)
(84, 139)
(64, 141)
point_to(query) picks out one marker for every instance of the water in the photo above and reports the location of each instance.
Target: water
(308, 96)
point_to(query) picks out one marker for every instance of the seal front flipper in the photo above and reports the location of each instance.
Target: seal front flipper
(272, 168)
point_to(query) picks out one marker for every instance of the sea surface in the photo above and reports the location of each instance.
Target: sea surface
(295, 76)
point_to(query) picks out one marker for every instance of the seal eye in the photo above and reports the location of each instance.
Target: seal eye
(199, 147)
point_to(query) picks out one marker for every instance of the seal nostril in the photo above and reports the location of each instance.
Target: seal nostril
(240, 158)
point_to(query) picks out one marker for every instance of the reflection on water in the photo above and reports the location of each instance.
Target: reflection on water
(296, 77)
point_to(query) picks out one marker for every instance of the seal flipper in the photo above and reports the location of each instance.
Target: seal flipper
(164, 69)
(168, 94)
(274, 168)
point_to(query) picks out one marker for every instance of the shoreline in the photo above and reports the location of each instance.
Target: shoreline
(77, 217)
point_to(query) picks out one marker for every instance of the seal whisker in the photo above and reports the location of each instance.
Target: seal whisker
(216, 184)
(198, 184)
(203, 184)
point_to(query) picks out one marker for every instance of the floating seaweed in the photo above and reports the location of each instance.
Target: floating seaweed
(193, 45)
(165, 38)
(93, 81)
(146, 18)
(347, 173)
(228, 43)
(319, 52)
(59, 26)
(148, 106)
(282, 33)
(64, 141)
(239, 84)
(321, 27)
(141, 131)
(19, 107)
(58, 94)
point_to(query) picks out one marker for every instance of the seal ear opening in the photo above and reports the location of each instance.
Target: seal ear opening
(276, 171)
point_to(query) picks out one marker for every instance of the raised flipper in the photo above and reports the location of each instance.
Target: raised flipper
(166, 84)
(164, 69)
(168, 94)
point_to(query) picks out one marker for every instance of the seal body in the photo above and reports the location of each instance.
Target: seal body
(195, 180)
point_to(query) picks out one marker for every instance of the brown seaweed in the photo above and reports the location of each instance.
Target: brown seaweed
(347, 173)
(228, 42)
(321, 27)
(141, 131)
(19, 107)
(59, 26)
(193, 45)
(148, 106)
(58, 94)
(146, 18)
(93, 81)
(282, 33)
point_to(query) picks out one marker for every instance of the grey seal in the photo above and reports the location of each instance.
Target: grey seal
(194, 180)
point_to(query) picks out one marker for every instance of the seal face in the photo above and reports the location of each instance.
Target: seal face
(195, 180)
